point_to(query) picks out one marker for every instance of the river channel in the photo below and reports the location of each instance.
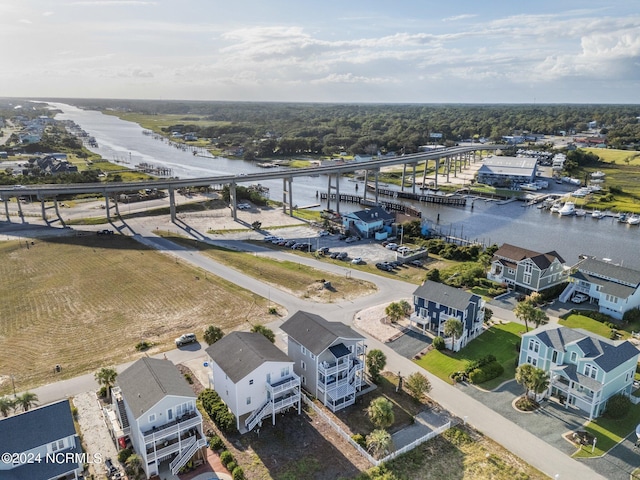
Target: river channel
(484, 221)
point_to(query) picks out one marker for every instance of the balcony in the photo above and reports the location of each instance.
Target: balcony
(180, 424)
(333, 368)
(164, 448)
(291, 382)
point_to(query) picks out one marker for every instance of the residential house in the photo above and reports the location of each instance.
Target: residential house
(156, 408)
(328, 357)
(584, 369)
(46, 436)
(614, 288)
(435, 303)
(507, 171)
(368, 222)
(253, 377)
(525, 270)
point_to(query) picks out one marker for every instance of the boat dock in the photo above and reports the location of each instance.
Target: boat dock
(452, 199)
(396, 207)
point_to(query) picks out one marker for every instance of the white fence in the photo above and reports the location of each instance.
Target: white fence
(361, 450)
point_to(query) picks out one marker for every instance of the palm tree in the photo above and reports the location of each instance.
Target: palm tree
(379, 443)
(6, 404)
(539, 381)
(106, 377)
(212, 334)
(26, 400)
(527, 311)
(524, 374)
(376, 361)
(394, 311)
(266, 331)
(453, 328)
(133, 465)
(380, 412)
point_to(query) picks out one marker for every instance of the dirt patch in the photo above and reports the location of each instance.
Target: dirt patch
(374, 321)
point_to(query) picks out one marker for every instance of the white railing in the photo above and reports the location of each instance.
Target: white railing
(258, 414)
(189, 450)
(292, 382)
(361, 450)
(173, 427)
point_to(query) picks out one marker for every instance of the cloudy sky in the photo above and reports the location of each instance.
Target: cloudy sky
(417, 51)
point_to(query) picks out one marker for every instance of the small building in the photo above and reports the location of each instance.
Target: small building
(46, 433)
(526, 270)
(614, 288)
(585, 369)
(253, 377)
(435, 303)
(156, 408)
(507, 172)
(368, 222)
(328, 357)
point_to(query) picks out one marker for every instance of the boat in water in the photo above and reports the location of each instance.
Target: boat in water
(633, 219)
(580, 212)
(597, 214)
(555, 208)
(569, 208)
(622, 217)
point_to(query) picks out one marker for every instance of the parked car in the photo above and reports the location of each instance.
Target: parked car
(416, 263)
(323, 233)
(290, 243)
(105, 232)
(579, 298)
(357, 261)
(334, 255)
(384, 266)
(391, 246)
(269, 238)
(343, 256)
(403, 250)
(185, 339)
(323, 251)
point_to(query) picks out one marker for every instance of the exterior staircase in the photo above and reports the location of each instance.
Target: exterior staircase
(567, 292)
(258, 415)
(189, 448)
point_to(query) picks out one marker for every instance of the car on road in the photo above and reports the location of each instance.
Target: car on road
(579, 298)
(105, 232)
(244, 206)
(269, 238)
(323, 233)
(357, 261)
(185, 339)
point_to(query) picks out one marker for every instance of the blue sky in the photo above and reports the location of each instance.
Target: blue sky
(561, 51)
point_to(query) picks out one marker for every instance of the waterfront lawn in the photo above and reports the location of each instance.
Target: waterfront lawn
(586, 323)
(499, 340)
(609, 432)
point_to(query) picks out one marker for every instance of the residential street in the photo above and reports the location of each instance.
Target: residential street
(530, 448)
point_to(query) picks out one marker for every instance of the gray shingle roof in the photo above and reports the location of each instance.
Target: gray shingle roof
(36, 427)
(240, 353)
(609, 287)
(517, 254)
(607, 354)
(148, 381)
(444, 295)
(374, 214)
(315, 333)
(610, 271)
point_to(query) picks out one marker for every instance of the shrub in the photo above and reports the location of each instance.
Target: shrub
(124, 454)
(618, 406)
(486, 372)
(188, 378)
(226, 457)
(216, 443)
(237, 474)
(360, 440)
(231, 466)
(457, 436)
(631, 316)
(102, 392)
(144, 345)
(438, 343)
(217, 410)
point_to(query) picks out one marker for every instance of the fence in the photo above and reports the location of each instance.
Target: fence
(362, 451)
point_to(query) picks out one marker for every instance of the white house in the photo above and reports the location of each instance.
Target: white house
(157, 408)
(253, 377)
(584, 369)
(45, 433)
(328, 357)
(368, 222)
(614, 288)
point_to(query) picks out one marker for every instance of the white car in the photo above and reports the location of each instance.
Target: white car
(403, 250)
(579, 298)
(323, 233)
(185, 339)
(357, 261)
(392, 246)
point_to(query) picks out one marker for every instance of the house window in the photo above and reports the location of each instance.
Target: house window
(534, 345)
(251, 382)
(284, 372)
(528, 268)
(532, 360)
(526, 278)
(248, 400)
(629, 375)
(304, 379)
(574, 357)
(554, 356)
(170, 414)
(312, 356)
(58, 445)
(303, 350)
(302, 365)
(511, 271)
(590, 370)
(269, 378)
(152, 418)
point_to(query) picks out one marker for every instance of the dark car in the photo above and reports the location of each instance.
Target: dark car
(323, 251)
(416, 263)
(334, 254)
(384, 266)
(343, 256)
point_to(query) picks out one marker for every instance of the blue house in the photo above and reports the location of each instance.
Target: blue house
(435, 303)
(368, 222)
(584, 369)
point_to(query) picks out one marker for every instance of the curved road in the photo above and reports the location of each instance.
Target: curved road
(530, 448)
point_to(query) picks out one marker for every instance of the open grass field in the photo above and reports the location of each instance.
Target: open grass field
(618, 157)
(610, 432)
(586, 323)
(85, 302)
(499, 340)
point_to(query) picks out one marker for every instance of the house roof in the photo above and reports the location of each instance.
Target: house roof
(315, 333)
(374, 214)
(240, 353)
(607, 354)
(36, 427)
(571, 372)
(148, 381)
(610, 271)
(46, 469)
(609, 287)
(517, 254)
(444, 294)
(508, 165)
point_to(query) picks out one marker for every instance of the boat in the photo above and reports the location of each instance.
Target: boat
(555, 208)
(622, 217)
(569, 208)
(597, 175)
(580, 212)
(597, 214)
(633, 219)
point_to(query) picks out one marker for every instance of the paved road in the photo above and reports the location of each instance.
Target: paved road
(530, 448)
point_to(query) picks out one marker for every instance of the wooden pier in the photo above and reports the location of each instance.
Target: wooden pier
(396, 207)
(453, 199)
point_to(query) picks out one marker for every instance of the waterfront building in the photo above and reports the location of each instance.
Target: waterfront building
(507, 171)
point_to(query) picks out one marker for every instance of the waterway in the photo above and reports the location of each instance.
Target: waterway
(485, 221)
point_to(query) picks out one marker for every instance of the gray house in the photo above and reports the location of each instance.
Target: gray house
(435, 303)
(47, 433)
(507, 171)
(328, 357)
(526, 270)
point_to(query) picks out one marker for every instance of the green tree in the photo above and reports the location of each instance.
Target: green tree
(6, 404)
(529, 313)
(376, 361)
(488, 314)
(379, 443)
(212, 334)
(434, 275)
(266, 331)
(417, 385)
(133, 465)
(106, 377)
(453, 328)
(26, 400)
(397, 310)
(380, 412)
(533, 379)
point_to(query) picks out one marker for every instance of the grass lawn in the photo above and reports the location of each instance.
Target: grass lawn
(586, 323)
(609, 432)
(499, 340)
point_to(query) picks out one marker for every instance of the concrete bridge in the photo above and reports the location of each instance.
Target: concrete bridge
(453, 159)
